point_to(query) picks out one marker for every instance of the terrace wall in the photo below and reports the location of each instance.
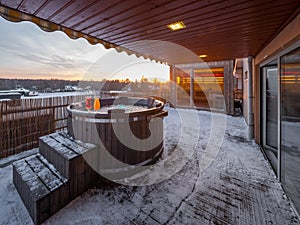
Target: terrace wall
(23, 121)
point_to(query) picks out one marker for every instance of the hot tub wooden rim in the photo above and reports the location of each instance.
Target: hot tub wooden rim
(144, 113)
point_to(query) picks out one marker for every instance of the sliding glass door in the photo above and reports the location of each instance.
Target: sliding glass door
(280, 123)
(270, 114)
(290, 125)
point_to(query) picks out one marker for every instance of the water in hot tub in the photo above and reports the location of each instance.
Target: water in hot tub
(127, 108)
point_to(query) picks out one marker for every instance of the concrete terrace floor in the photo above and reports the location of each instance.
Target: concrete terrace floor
(233, 184)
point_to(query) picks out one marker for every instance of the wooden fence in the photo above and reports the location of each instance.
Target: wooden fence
(23, 121)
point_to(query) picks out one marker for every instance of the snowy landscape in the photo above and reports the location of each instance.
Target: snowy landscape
(209, 173)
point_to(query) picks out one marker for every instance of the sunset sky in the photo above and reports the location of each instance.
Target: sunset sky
(28, 52)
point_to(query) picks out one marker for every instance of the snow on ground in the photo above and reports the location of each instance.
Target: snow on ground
(209, 174)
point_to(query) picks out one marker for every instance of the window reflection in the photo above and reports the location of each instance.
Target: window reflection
(209, 87)
(183, 80)
(271, 108)
(290, 125)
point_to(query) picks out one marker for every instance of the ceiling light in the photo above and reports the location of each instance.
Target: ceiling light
(176, 26)
(202, 56)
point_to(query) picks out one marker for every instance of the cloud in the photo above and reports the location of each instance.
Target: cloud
(24, 45)
(55, 61)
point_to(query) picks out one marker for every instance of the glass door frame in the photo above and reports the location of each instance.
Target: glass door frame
(263, 70)
(275, 60)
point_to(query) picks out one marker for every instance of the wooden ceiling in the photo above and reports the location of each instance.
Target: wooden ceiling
(221, 29)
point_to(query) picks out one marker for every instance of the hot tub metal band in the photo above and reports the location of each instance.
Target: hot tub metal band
(94, 120)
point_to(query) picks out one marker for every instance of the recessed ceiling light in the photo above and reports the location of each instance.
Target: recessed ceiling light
(202, 56)
(176, 26)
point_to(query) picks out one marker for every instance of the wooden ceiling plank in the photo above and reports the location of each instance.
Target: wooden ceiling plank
(60, 10)
(70, 10)
(190, 16)
(51, 8)
(211, 46)
(91, 22)
(100, 8)
(134, 12)
(76, 16)
(41, 7)
(227, 18)
(31, 6)
(218, 25)
(12, 4)
(222, 32)
(108, 15)
(216, 41)
(21, 3)
(227, 41)
(241, 28)
(129, 19)
(161, 17)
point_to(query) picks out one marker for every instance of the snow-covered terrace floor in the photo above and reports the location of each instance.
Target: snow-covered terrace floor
(233, 184)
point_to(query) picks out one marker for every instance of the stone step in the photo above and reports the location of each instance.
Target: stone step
(42, 188)
(70, 158)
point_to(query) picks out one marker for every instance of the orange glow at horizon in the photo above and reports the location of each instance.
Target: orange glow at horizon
(38, 76)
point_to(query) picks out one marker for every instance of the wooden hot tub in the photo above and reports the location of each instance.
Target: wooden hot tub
(121, 129)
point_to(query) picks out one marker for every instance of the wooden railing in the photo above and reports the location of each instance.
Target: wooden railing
(23, 121)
